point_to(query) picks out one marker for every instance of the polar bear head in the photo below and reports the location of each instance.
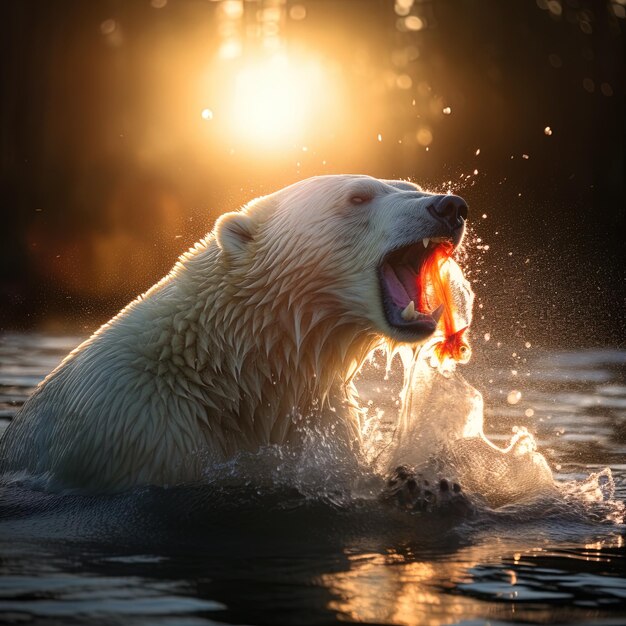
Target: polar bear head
(345, 246)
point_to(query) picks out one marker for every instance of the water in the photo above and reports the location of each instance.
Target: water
(311, 544)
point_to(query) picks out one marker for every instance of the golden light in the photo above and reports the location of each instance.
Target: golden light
(232, 8)
(266, 93)
(230, 49)
(275, 100)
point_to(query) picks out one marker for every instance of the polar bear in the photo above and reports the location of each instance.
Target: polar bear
(258, 328)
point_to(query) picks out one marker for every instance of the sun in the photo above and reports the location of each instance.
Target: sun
(275, 99)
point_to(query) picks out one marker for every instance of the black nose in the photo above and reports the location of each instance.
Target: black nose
(450, 209)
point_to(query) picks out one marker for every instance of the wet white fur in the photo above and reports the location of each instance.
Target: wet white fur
(257, 328)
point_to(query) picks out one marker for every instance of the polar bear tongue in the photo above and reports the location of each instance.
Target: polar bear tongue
(398, 282)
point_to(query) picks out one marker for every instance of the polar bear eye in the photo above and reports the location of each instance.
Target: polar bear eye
(360, 199)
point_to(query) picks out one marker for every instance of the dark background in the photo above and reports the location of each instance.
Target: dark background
(109, 170)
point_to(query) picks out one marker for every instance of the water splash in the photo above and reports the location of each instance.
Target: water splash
(439, 432)
(596, 494)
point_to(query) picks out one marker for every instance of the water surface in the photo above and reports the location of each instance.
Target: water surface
(307, 550)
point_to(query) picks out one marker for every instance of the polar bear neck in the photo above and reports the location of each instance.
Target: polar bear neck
(257, 348)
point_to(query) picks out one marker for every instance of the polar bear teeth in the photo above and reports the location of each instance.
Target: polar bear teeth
(435, 240)
(409, 314)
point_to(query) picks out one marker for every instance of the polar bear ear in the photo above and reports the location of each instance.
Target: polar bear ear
(233, 232)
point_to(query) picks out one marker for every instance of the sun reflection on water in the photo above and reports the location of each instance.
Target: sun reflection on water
(385, 588)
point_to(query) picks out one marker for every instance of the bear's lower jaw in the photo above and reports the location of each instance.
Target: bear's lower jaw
(415, 331)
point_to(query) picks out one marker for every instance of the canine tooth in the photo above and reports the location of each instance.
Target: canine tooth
(425, 241)
(436, 314)
(409, 313)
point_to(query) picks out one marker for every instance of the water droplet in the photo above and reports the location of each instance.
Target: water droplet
(402, 10)
(380, 137)
(547, 131)
(424, 137)
(606, 90)
(447, 111)
(412, 22)
(555, 60)
(529, 412)
(514, 396)
(107, 27)
(554, 6)
(404, 81)
(297, 12)
(207, 114)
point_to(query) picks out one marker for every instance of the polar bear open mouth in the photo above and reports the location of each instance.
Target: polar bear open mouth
(402, 293)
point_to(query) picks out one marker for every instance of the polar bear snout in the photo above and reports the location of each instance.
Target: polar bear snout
(451, 211)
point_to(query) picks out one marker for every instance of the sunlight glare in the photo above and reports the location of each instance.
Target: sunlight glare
(274, 99)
